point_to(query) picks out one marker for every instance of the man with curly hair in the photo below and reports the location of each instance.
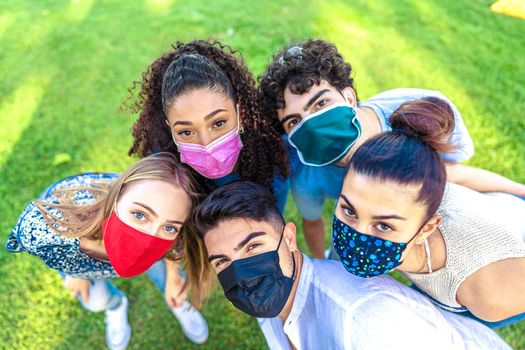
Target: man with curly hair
(307, 91)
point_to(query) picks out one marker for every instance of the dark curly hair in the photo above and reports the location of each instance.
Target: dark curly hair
(194, 65)
(299, 67)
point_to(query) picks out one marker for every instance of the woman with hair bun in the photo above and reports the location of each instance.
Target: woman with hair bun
(463, 249)
(199, 101)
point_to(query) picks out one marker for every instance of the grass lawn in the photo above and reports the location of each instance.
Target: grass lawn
(66, 67)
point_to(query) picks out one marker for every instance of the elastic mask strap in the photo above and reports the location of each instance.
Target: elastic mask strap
(427, 251)
(411, 239)
(293, 258)
(280, 240)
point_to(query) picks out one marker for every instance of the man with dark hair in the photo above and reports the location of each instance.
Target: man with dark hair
(316, 302)
(308, 92)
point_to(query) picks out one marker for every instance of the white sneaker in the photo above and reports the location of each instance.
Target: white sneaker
(118, 331)
(193, 324)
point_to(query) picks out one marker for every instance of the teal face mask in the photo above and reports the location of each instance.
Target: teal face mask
(325, 137)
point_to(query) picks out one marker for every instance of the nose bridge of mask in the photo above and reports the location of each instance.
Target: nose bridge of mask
(325, 137)
(316, 114)
(251, 267)
(248, 268)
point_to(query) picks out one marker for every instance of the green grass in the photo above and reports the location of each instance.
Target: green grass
(65, 68)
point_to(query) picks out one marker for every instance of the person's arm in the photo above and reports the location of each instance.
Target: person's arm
(77, 286)
(314, 236)
(482, 180)
(176, 289)
(310, 206)
(388, 322)
(384, 322)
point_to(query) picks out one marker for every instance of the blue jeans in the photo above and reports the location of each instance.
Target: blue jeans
(103, 295)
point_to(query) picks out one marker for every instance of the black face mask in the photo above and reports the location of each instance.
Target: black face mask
(256, 285)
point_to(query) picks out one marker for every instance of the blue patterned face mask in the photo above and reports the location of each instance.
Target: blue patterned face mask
(365, 255)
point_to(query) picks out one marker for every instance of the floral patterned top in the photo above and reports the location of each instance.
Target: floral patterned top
(33, 235)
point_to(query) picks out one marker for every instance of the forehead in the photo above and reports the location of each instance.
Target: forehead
(165, 198)
(378, 197)
(223, 238)
(198, 103)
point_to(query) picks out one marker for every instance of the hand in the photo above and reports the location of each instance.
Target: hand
(176, 291)
(77, 285)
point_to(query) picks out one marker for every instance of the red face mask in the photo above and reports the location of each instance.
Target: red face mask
(130, 251)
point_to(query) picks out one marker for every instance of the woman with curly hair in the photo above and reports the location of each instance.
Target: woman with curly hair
(199, 101)
(95, 226)
(307, 92)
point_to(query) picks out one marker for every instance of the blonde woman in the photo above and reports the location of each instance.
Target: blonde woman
(95, 226)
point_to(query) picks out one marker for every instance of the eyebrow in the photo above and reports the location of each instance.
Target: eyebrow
(206, 118)
(314, 98)
(248, 238)
(218, 256)
(308, 104)
(155, 214)
(239, 246)
(347, 202)
(375, 217)
(147, 208)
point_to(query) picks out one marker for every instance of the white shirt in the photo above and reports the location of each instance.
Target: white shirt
(334, 309)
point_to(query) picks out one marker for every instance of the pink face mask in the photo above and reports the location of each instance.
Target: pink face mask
(214, 160)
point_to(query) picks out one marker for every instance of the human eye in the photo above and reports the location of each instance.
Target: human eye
(171, 230)
(292, 123)
(219, 123)
(185, 133)
(220, 262)
(383, 228)
(322, 103)
(138, 215)
(349, 212)
(252, 246)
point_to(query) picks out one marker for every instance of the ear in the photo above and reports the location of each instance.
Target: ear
(290, 236)
(350, 96)
(428, 228)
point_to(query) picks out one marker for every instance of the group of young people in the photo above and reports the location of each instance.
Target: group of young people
(219, 154)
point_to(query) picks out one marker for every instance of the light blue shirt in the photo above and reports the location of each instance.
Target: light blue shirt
(334, 309)
(311, 186)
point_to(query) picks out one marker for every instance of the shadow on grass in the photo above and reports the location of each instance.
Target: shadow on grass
(90, 57)
(473, 56)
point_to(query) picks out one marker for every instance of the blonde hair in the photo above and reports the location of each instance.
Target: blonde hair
(86, 220)
(197, 266)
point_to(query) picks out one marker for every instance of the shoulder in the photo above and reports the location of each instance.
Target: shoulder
(80, 180)
(32, 233)
(331, 279)
(405, 95)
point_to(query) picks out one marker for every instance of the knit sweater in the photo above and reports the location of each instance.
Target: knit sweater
(478, 229)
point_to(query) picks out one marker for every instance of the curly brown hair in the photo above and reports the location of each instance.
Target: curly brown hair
(264, 153)
(299, 67)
